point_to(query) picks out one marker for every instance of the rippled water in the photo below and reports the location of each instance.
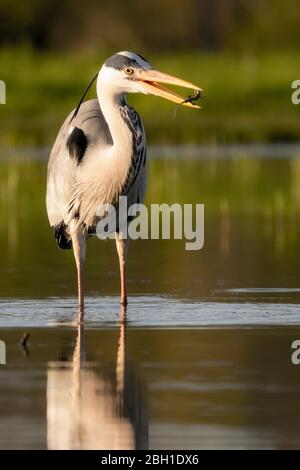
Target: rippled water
(150, 311)
(204, 359)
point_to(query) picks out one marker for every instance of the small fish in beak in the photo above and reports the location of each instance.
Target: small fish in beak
(191, 98)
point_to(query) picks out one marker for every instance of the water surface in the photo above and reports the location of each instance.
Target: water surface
(205, 357)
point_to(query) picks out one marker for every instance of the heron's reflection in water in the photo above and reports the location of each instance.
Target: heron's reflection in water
(87, 410)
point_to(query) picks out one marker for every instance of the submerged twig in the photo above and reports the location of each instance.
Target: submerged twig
(24, 339)
(23, 343)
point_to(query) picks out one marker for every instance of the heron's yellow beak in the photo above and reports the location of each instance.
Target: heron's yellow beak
(150, 80)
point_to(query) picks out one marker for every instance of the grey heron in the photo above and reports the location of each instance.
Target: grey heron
(100, 154)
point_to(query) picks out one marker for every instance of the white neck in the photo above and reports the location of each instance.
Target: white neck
(110, 170)
(110, 103)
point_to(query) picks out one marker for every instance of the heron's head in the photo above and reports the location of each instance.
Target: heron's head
(127, 72)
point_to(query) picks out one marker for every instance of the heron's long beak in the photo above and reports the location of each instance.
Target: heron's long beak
(150, 80)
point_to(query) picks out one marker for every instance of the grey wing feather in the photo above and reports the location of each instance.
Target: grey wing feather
(92, 130)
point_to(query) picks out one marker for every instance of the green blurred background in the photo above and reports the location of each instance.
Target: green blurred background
(244, 53)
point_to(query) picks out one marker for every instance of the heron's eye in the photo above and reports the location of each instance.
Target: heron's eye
(128, 70)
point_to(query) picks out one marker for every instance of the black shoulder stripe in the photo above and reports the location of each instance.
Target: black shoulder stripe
(62, 240)
(77, 144)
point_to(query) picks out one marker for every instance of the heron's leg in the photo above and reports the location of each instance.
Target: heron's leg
(122, 248)
(79, 248)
